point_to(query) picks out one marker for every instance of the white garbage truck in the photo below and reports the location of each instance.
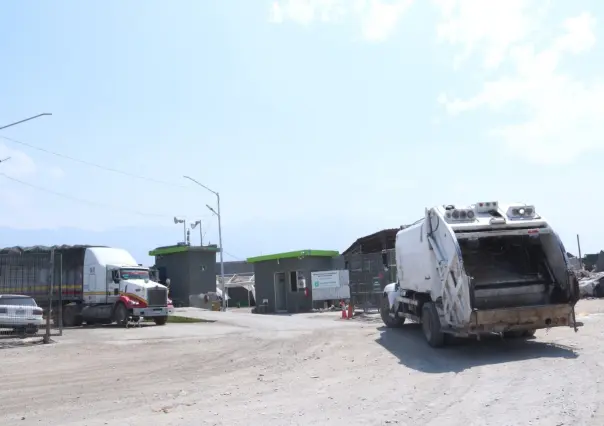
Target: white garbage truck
(482, 269)
(91, 284)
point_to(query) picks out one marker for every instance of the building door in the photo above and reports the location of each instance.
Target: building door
(280, 292)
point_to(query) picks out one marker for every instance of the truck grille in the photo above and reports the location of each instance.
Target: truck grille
(157, 297)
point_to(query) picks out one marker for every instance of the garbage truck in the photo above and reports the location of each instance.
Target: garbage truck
(86, 284)
(477, 270)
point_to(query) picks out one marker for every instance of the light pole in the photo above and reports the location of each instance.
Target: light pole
(24, 120)
(217, 213)
(184, 227)
(193, 225)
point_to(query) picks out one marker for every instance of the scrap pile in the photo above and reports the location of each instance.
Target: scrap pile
(590, 275)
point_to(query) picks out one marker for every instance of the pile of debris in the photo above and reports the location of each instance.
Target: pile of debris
(591, 282)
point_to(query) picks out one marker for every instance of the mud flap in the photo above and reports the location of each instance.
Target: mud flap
(572, 312)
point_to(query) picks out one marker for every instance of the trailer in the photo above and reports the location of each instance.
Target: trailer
(91, 284)
(481, 269)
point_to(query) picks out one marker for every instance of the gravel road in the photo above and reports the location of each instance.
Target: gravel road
(307, 369)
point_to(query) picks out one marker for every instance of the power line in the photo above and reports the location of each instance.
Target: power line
(88, 163)
(96, 204)
(81, 200)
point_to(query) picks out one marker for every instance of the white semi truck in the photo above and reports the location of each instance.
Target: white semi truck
(482, 269)
(98, 284)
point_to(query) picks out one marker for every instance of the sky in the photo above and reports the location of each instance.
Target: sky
(317, 121)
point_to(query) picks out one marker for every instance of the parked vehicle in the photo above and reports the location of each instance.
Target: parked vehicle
(486, 268)
(99, 285)
(20, 314)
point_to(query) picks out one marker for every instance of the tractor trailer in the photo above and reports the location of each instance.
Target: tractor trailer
(93, 285)
(482, 269)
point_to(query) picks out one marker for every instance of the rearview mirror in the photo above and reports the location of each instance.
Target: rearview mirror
(167, 282)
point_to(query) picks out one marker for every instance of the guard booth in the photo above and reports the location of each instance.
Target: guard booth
(282, 280)
(191, 270)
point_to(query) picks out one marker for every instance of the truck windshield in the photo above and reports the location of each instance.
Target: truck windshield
(134, 274)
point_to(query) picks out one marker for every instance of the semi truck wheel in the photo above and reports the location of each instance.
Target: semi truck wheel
(120, 314)
(71, 316)
(385, 313)
(431, 326)
(160, 320)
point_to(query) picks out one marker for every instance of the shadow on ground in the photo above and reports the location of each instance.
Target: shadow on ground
(409, 346)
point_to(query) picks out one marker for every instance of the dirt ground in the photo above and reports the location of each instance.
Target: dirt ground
(315, 369)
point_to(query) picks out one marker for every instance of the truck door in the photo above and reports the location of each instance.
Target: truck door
(113, 288)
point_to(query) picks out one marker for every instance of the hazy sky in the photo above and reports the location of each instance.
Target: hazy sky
(318, 121)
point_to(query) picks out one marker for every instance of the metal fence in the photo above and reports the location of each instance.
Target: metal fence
(31, 297)
(369, 276)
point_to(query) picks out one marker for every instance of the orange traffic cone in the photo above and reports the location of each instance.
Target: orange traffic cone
(350, 310)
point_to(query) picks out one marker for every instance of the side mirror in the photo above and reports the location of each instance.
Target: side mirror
(385, 260)
(168, 282)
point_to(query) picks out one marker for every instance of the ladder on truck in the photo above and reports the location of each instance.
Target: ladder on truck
(454, 283)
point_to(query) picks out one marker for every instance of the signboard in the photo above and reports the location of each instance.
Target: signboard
(330, 285)
(329, 279)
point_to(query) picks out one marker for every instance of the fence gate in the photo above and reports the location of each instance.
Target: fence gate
(30, 295)
(369, 276)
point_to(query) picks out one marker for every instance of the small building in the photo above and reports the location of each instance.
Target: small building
(191, 270)
(283, 280)
(365, 261)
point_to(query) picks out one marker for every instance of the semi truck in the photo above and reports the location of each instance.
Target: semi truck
(91, 284)
(481, 269)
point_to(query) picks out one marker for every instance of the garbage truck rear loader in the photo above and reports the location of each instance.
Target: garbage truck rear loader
(483, 269)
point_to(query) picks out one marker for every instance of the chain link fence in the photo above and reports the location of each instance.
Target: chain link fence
(369, 276)
(31, 295)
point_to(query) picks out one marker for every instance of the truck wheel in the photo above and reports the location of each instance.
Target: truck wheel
(120, 314)
(431, 326)
(71, 317)
(160, 320)
(529, 333)
(385, 313)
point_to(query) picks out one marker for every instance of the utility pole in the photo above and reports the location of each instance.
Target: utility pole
(217, 213)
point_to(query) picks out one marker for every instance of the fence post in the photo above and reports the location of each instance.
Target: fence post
(52, 280)
(60, 313)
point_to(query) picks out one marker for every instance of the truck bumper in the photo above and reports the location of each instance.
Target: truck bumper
(161, 311)
(520, 318)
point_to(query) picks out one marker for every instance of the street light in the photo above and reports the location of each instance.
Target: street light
(217, 213)
(24, 120)
(193, 225)
(184, 226)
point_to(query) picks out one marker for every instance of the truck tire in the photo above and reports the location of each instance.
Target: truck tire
(71, 316)
(160, 320)
(120, 314)
(390, 322)
(431, 326)
(529, 333)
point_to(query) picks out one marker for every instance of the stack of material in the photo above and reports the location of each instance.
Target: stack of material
(203, 301)
(591, 284)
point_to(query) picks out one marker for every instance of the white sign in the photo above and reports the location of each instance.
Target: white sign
(329, 279)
